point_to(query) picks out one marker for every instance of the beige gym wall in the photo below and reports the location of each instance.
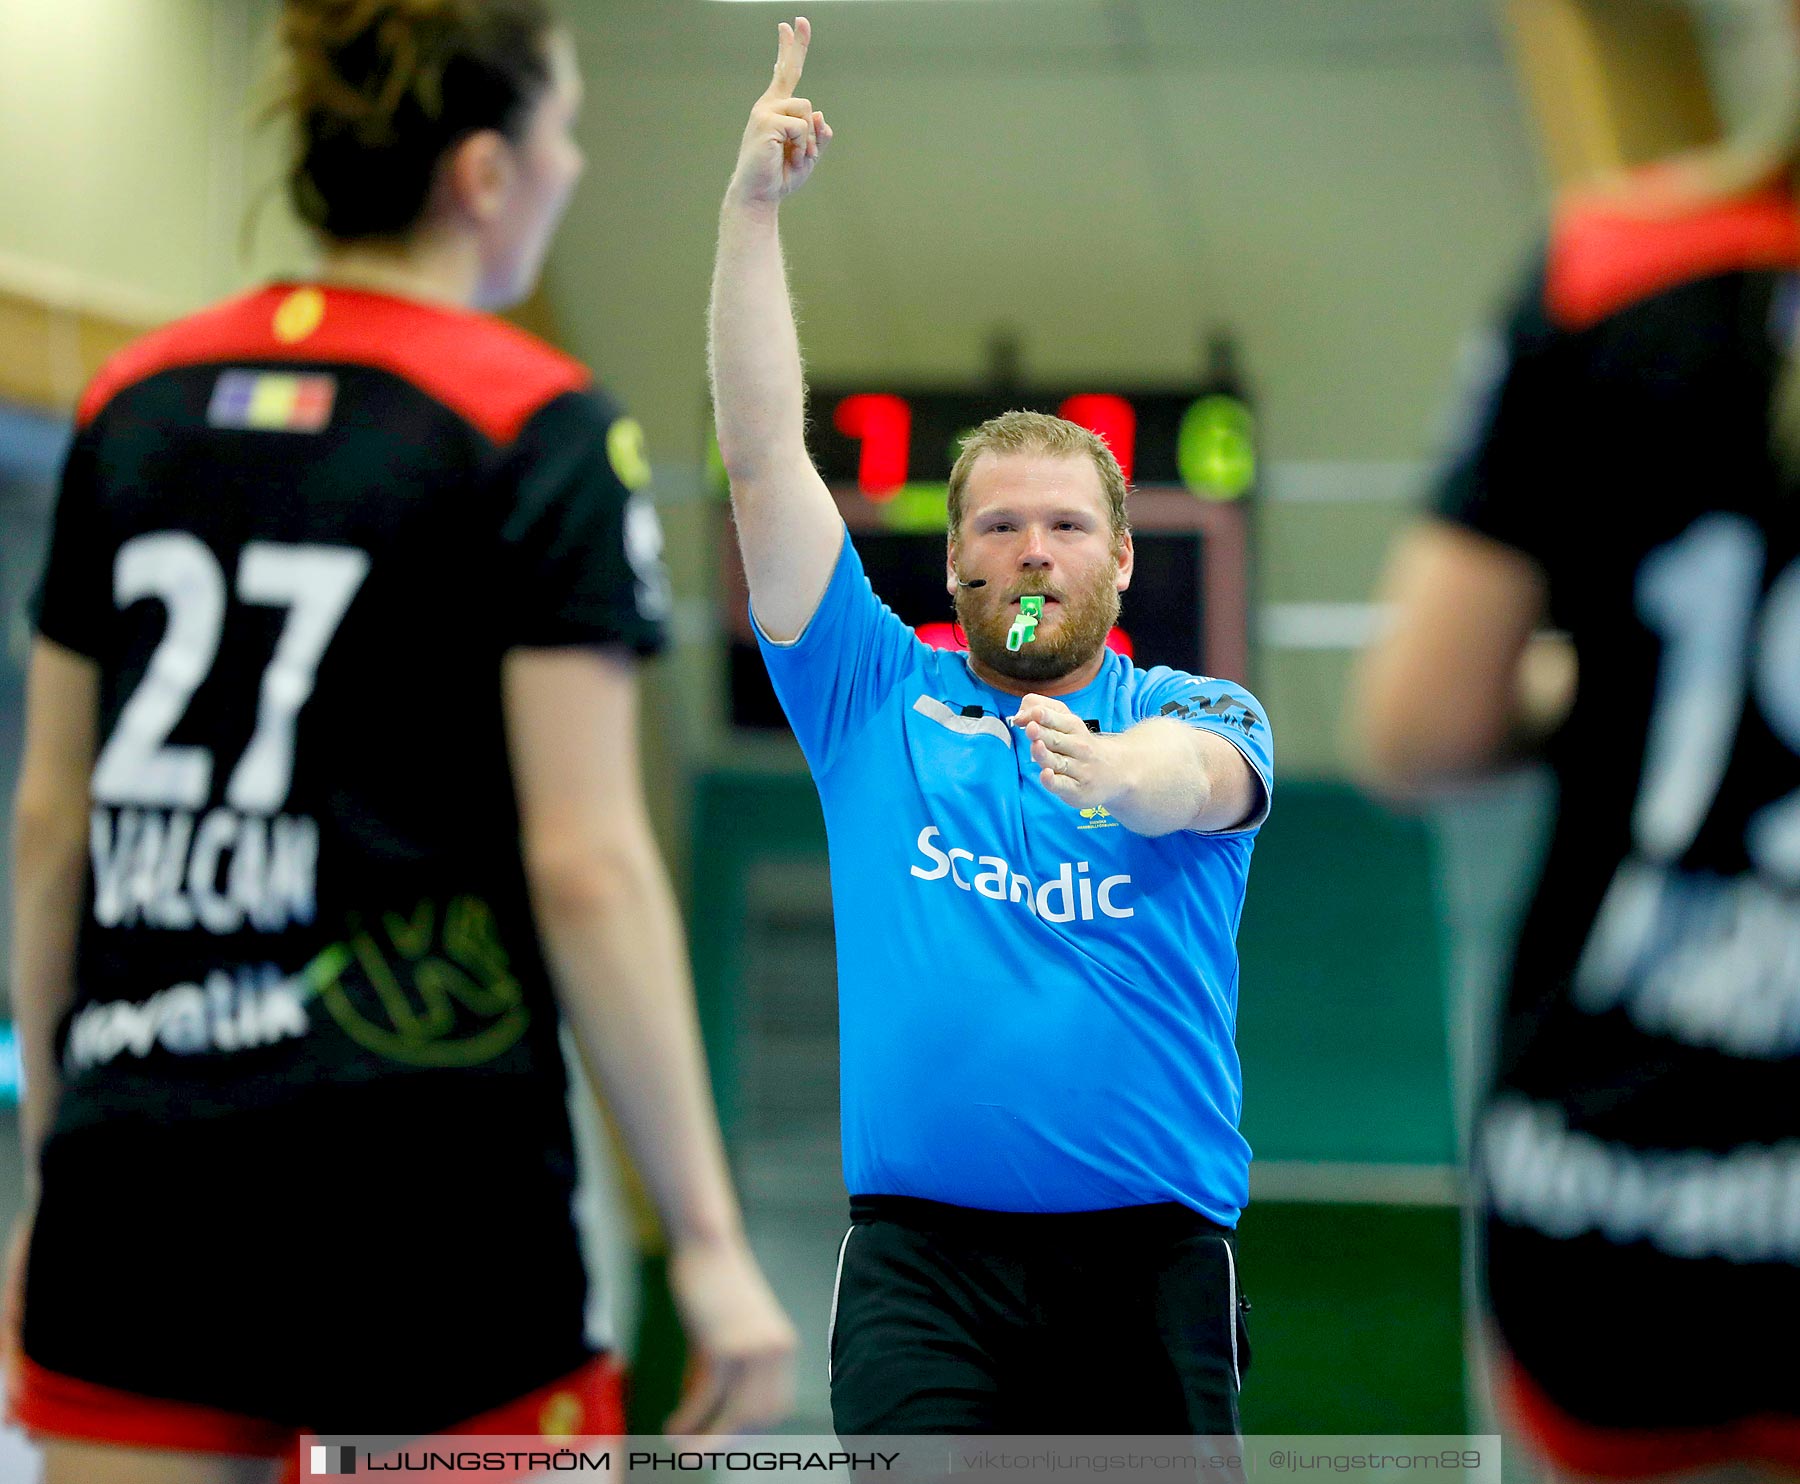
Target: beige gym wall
(1347, 185)
(126, 172)
(125, 163)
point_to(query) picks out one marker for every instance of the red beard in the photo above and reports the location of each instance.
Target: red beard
(1070, 633)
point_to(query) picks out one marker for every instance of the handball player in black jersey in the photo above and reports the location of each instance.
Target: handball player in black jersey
(330, 814)
(1630, 475)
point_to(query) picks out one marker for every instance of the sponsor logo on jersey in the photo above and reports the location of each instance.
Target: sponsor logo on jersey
(643, 549)
(1071, 895)
(625, 452)
(273, 401)
(433, 989)
(255, 1006)
(1226, 708)
(1700, 959)
(1740, 1204)
(220, 872)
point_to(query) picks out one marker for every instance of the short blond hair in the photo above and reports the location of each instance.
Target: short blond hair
(1040, 433)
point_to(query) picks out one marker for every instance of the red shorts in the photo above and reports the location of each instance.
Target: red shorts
(586, 1402)
(1621, 1453)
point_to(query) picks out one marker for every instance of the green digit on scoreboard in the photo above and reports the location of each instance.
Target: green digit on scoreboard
(1215, 449)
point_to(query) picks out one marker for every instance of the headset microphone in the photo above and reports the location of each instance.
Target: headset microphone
(1024, 627)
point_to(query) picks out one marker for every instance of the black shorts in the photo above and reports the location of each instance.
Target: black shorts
(947, 1320)
(1619, 1340)
(380, 1266)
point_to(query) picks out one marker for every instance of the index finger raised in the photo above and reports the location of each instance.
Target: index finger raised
(790, 57)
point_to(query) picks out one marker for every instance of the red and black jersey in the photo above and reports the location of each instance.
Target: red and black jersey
(1647, 1073)
(297, 533)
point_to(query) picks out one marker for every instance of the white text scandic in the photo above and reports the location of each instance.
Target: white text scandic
(1071, 894)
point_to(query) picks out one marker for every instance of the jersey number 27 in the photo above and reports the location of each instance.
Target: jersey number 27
(314, 583)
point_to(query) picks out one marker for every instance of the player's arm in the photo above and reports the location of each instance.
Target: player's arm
(1454, 686)
(788, 527)
(50, 833)
(612, 936)
(1155, 778)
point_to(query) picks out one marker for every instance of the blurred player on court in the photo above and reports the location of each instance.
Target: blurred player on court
(1628, 474)
(330, 811)
(1038, 858)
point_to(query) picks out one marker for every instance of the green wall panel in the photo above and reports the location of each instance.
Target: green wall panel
(1355, 1319)
(1340, 1004)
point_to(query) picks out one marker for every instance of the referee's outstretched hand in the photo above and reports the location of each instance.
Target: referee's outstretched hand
(786, 134)
(741, 1345)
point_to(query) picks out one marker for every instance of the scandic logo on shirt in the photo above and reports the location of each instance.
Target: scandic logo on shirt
(1070, 894)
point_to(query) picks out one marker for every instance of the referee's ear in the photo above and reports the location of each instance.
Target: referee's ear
(476, 177)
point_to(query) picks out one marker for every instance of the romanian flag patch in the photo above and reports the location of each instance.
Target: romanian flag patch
(273, 401)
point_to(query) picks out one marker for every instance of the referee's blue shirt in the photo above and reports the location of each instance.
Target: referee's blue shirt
(1037, 1006)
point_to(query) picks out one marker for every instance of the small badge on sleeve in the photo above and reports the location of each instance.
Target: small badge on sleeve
(298, 315)
(273, 401)
(625, 452)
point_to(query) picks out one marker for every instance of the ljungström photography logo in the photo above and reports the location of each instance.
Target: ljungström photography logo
(332, 1460)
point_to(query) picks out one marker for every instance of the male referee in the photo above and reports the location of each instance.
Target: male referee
(1038, 857)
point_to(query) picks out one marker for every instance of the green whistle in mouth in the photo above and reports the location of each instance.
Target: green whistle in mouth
(1024, 627)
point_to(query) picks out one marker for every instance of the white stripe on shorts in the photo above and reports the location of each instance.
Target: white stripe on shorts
(836, 1284)
(1231, 1316)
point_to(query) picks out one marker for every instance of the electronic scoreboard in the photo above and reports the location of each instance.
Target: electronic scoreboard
(1189, 457)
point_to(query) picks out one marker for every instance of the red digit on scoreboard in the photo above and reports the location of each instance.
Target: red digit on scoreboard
(883, 423)
(942, 635)
(1109, 416)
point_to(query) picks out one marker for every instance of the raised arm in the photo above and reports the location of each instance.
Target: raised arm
(788, 527)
